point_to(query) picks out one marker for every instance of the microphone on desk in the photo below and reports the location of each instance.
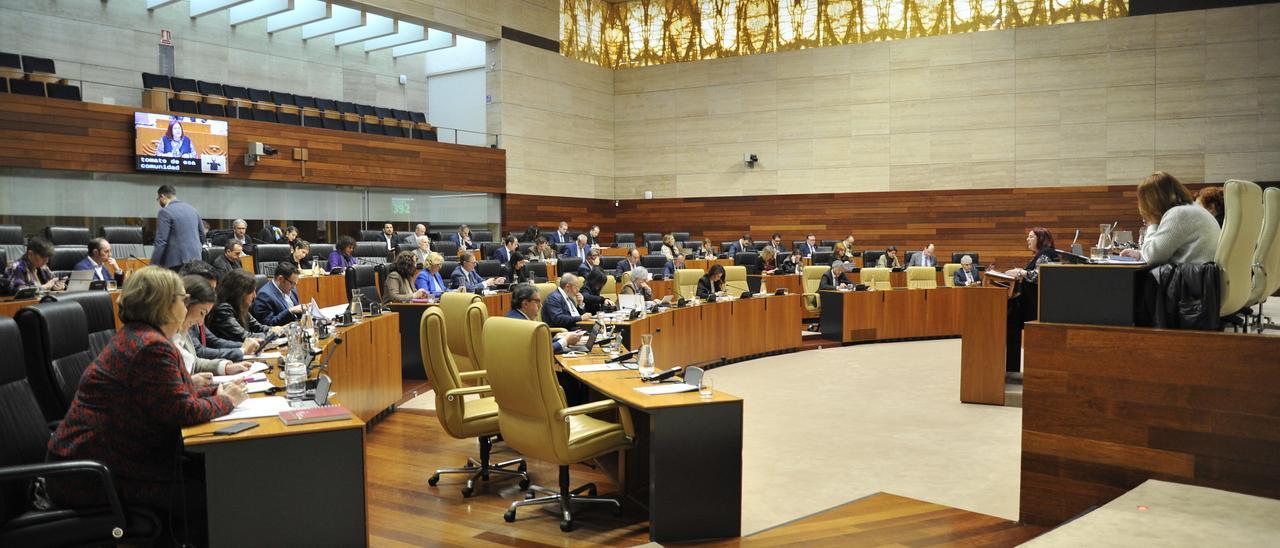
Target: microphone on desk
(324, 363)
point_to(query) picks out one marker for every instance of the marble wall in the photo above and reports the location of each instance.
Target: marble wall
(1194, 93)
(555, 117)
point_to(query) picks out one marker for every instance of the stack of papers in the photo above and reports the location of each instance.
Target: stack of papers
(598, 367)
(256, 407)
(258, 387)
(253, 374)
(267, 356)
(674, 388)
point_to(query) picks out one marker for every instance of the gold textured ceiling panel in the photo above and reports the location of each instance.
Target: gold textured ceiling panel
(638, 33)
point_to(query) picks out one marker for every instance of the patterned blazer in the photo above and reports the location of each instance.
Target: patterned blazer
(131, 407)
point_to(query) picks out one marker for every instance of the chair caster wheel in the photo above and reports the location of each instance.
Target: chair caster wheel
(566, 525)
(433, 480)
(523, 467)
(529, 495)
(524, 484)
(467, 491)
(509, 516)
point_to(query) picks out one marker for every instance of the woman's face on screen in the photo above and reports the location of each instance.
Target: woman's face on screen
(177, 131)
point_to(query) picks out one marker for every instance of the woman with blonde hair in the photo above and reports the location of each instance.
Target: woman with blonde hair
(134, 400)
(1178, 231)
(429, 279)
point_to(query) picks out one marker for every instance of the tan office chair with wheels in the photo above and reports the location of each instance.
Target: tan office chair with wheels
(473, 332)
(949, 274)
(624, 282)
(922, 277)
(461, 417)
(610, 289)
(455, 305)
(735, 280)
(877, 278)
(687, 282)
(1266, 256)
(1241, 226)
(811, 278)
(535, 420)
(545, 289)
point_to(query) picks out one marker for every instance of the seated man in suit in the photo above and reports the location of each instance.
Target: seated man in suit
(639, 284)
(676, 263)
(419, 232)
(808, 248)
(593, 236)
(578, 249)
(890, 258)
(633, 260)
(542, 250)
(516, 270)
(503, 253)
(229, 259)
(462, 237)
(924, 258)
(239, 232)
(526, 304)
(592, 263)
(562, 305)
(277, 301)
(835, 278)
(101, 262)
(466, 276)
(966, 276)
(743, 245)
(561, 235)
(776, 242)
(389, 238)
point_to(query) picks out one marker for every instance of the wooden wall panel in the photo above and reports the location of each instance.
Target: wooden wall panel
(1106, 408)
(55, 134)
(992, 222)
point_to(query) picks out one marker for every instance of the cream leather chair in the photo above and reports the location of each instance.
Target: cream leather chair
(1266, 257)
(624, 282)
(546, 288)
(473, 331)
(1240, 229)
(810, 279)
(877, 278)
(949, 274)
(922, 277)
(735, 280)
(610, 289)
(454, 305)
(686, 285)
(462, 417)
(535, 420)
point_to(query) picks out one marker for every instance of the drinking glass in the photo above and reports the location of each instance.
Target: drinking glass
(706, 387)
(1097, 254)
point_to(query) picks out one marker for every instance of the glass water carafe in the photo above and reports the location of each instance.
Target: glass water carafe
(1104, 236)
(645, 358)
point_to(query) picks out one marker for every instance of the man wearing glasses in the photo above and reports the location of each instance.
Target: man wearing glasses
(277, 301)
(526, 304)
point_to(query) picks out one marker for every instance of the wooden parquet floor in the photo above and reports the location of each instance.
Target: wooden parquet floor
(403, 450)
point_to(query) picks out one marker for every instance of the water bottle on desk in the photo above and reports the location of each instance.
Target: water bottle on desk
(295, 382)
(357, 305)
(645, 357)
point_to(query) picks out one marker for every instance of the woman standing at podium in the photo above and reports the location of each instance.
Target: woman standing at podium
(1023, 304)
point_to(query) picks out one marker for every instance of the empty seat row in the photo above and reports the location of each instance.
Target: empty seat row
(35, 76)
(229, 101)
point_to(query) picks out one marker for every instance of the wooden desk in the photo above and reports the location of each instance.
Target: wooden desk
(706, 264)
(896, 279)
(977, 314)
(620, 251)
(410, 324)
(10, 307)
(314, 470)
(1091, 294)
(662, 288)
(722, 331)
(246, 262)
(1106, 408)
(326, 289)
(686, 468)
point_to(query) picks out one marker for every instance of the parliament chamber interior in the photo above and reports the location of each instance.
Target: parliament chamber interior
(639, 272)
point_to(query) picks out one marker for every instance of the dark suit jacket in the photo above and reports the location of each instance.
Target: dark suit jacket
(591, 240)
(737, 248)
(556, 347)
(390, 242)
(270, 308)
(705, 289)
(920, 260)
(179, 235)
(102, 272)
(501, 255)
(473, 282)
(457, 239)
(829, 281)
(556, 312)
(572, 250)
(592, 300)
(959, 278)
(585, 268)
(623, 268)
(805, 250)
(222, 265)
(556, 237)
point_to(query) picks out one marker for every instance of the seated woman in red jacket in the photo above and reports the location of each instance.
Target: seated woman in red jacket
(134, 400)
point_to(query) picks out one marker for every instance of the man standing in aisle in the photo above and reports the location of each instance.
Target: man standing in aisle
(179, 231)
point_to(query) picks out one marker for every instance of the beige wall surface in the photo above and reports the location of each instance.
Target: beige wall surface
(1195, 93)
(555, 117)
(479, 19)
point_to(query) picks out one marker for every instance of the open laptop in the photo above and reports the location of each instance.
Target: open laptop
(591, 340)
(80, 280)
(630, 302)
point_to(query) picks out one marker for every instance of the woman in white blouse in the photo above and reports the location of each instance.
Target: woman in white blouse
(1178, 231)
